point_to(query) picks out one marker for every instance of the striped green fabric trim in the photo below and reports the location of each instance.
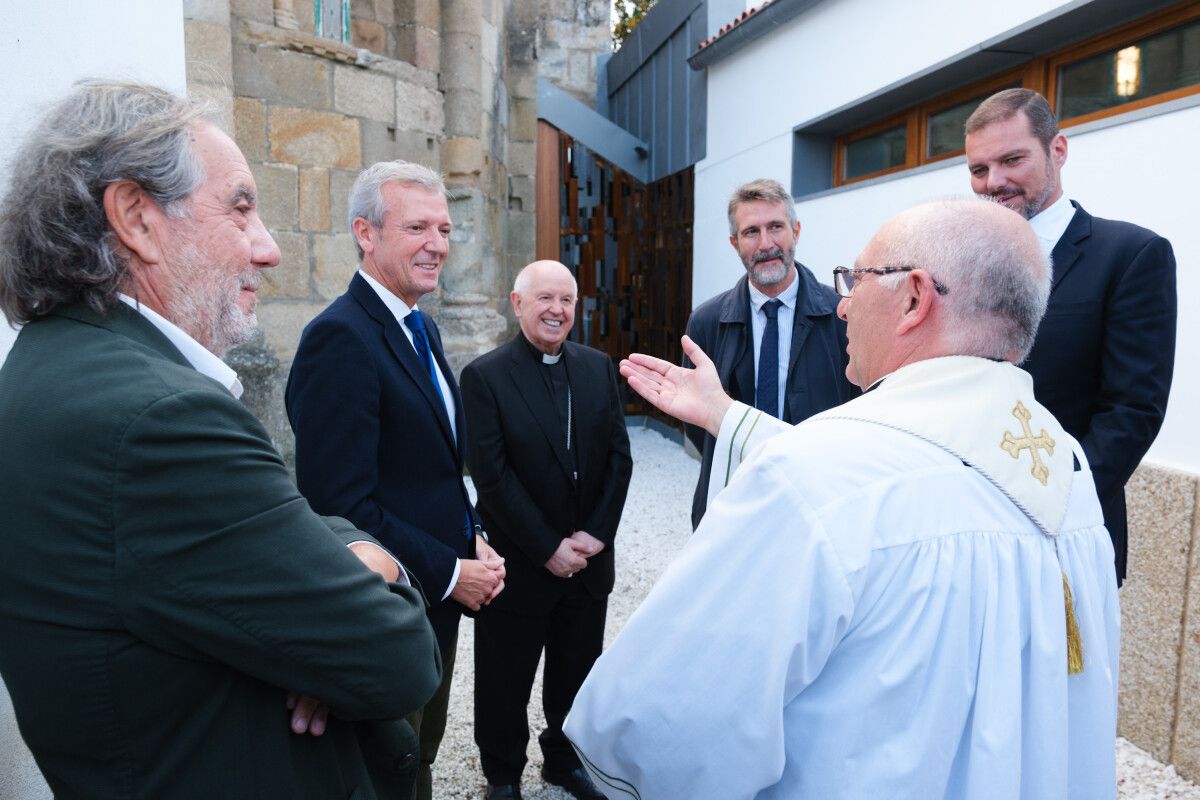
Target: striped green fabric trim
(732, 439)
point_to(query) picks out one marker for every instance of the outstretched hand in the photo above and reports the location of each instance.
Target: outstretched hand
(694, 395)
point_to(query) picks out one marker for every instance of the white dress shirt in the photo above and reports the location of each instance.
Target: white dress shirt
(400, 310)
(201, 359)
(1051, 223)
(784, 318)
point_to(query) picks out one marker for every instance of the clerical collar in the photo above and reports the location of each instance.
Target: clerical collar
(541, 356)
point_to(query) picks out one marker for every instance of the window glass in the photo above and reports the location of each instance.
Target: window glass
(944, 130)
(877, 152)
(1159, 63)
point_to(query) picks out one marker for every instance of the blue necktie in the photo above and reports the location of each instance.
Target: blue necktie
(767, 396)
(415, 322)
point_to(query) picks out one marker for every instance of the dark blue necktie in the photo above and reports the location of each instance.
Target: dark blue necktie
(415, 322)
(767, 395)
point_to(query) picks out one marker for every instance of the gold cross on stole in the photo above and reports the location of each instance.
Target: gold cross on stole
(1014, 445)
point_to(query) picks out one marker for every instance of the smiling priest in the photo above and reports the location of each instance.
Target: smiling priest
(911, 595)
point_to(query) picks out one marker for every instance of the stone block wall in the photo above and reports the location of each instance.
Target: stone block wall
(1160, 619)
(451, 84)
(571, 35)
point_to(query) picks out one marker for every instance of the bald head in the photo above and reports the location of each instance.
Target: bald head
(991, 266)
(543, 299)
(993, 262)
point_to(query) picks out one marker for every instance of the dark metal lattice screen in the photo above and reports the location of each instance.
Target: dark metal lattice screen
(631, 246)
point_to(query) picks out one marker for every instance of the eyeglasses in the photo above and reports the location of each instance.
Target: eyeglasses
(844, 278)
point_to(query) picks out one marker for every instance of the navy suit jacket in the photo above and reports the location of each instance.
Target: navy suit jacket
(1105, 350)
(374, 442)
(816, 377)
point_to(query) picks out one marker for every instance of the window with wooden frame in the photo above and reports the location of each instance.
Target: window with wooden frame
(1150, 61)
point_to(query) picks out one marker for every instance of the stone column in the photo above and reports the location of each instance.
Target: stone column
(285, 15)
(467, 314)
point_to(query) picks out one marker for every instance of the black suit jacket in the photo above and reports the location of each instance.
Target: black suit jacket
(816, 377)
(527, 498)
(163, 584)
(1105, 350)
(374, 443)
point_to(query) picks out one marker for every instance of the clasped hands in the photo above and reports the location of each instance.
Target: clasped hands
(572, 554)
(481, 578)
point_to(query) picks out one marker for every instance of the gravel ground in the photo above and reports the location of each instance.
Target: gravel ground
(654, 526)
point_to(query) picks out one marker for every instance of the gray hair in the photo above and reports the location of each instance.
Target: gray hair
(765, 190)
(56, 246)
(1003, 106)
(366, 195)
(997, 275)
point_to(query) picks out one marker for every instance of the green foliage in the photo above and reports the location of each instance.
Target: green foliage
(627, 15)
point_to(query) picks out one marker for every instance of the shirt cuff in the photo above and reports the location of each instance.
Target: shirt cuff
(453, 578)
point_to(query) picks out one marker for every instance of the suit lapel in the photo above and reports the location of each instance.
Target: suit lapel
(531, 387)
(1069, 248)
(405, 354)
(810, 303)
(435, 347)
(127, 322)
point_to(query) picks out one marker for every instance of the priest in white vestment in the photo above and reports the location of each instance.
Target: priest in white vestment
(908, 596)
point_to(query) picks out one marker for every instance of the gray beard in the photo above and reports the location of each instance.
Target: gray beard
(204, 304)
(761, 275)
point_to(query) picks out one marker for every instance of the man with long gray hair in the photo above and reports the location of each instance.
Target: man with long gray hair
(165, 592)
(910, 595)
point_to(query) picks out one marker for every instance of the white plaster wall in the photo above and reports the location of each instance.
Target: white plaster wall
(1142, 171)
(45, 46)
(837, 52)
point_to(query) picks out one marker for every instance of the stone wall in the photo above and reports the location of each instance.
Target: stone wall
(1160, 619)
(451, 84)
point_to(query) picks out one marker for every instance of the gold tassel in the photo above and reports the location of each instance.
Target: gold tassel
(1074, 641)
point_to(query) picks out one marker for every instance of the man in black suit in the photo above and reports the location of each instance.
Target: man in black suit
(1105, 350)
(163, 586)
(549, 455)
(778, 302)
(378, 418)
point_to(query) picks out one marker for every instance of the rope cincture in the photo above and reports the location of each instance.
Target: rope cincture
(1074, 640)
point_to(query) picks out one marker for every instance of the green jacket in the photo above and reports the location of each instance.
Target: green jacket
(163, 585)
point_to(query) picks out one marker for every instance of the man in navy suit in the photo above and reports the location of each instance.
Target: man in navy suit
(378, 417)
(1105, 351)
